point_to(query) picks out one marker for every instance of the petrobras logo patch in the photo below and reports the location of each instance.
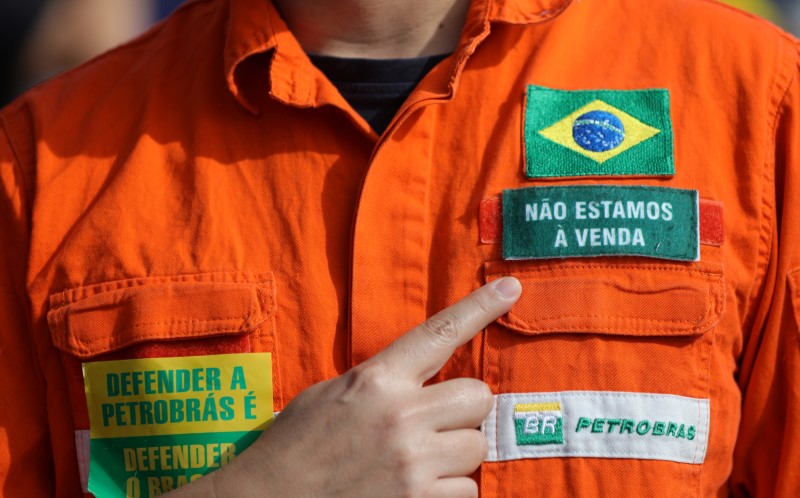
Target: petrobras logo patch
(538, 423)
(598, 424)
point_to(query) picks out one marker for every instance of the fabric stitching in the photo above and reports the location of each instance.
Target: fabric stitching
(528, 453)
(173, 334)
(707, 381)
(767, 203)
(601, 266)
(81, 347)
(63, 310)
(251, 316)
(594, 394)
(497, 418)
(72, 295)
(697, 443)
(611, 317)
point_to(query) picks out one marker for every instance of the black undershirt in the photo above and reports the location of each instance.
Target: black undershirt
(375, 88)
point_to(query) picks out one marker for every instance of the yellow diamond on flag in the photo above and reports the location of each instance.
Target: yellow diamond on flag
(599, 131)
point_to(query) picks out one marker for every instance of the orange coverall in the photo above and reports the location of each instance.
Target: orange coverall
(205, 189)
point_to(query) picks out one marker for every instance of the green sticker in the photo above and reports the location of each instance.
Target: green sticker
(151, 466)
(601, 220)
(597, 133)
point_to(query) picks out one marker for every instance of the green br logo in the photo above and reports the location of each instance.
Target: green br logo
(538, 423)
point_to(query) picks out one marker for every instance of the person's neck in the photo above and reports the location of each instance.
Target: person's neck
(375, 29)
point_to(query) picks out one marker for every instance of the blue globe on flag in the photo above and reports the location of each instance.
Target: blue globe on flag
(598, 131)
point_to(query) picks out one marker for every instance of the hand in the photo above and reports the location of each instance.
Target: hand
(376, 431)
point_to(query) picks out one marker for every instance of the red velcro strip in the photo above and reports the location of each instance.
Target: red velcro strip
(712, 222)
(490, 223)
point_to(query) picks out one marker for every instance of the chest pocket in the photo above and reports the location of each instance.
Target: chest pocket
(186, 315)
(605, 337)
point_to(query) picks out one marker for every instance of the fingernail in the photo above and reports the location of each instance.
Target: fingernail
(507, 287)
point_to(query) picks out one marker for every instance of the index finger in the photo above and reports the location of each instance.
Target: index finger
(424, 350)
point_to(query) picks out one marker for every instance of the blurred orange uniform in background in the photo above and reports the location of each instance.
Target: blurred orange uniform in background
(205, 189)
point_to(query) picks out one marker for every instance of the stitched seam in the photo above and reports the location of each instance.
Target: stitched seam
(535, 18)
(62, 310)
(600, 266)
(600, 394)
(178, 322)
(497, 415)
(83, 292)
(111, 344)
(707, 381)
(470, 48)
(766, 229)
(612, 331)
(611, 317)
(620, 454)
(697, 443)
(170, 334)
(69, 296)
(59, 317)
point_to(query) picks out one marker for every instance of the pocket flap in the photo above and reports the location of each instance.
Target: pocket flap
(97, 319)
(613, 298)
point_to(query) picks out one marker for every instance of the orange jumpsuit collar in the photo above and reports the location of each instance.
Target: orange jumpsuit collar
(255, 27)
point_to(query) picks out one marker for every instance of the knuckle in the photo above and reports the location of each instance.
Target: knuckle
(393, 418)
(404, 458)
(411, 477)
(392, 427)
(363, 380)
(442, 329)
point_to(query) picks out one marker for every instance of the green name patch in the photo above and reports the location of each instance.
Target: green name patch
(597, 133)
(601, 220)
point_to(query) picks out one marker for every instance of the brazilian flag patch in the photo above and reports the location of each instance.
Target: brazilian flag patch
(597, 133)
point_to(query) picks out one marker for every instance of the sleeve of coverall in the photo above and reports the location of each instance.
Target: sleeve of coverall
(767, 455)
(25, 453)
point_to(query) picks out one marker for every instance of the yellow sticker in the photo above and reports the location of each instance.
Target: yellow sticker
(158, 423)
